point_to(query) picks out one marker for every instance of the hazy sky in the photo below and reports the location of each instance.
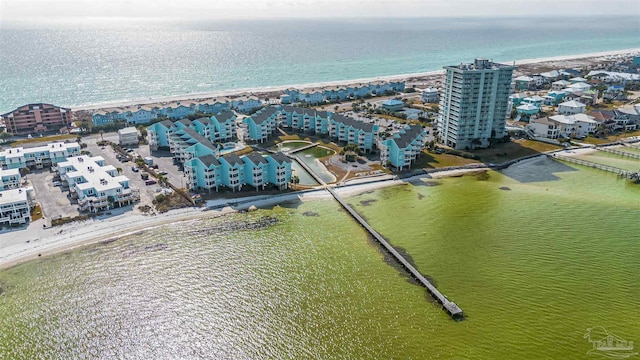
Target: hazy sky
(12, 9)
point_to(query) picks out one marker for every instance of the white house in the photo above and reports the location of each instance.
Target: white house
(544, 128)
(559, 85)
(15, 206)
(95, 185)
(584, 124)
(430, 95)
(128, 136)
(571, 107)
(9, 179)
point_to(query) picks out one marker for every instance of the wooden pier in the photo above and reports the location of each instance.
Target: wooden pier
(454, 311)
(621, 172)
(619, 152)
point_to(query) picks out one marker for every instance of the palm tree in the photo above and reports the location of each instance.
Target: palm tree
(119, 170)
(101, 136)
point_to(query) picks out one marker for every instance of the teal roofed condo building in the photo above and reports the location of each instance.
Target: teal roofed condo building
(203, 173)
(261, 125)
(402, 149)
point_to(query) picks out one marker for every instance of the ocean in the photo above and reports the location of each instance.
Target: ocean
(536, 255)
(96, 61)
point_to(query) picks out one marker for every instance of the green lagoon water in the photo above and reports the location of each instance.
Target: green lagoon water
(534, 255)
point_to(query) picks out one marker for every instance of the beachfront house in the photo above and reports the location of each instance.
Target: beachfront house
(177, 110)
(397, 85)
(245, 104)
(379, 87)
(158, 135)
(10, 179)
(203, 173)
(15, 206)
(38, 157)
(311, 96)
(358, 90)
(261, 125)
(95, 185)
(335, 93)
(279, 170)
(351, 131)
(403, 148)
(571, 107)
(533, 100)
(627, 118)
(214, 106)
(255, 170)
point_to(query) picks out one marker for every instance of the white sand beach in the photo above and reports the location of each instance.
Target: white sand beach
(421, 77)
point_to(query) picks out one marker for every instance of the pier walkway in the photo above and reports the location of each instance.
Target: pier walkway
(312, 145)
(451, 308)
(619, 152)
(623, 173)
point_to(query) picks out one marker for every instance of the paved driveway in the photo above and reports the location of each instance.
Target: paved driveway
(55, 202)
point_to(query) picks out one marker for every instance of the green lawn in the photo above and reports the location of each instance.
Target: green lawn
(513, 150)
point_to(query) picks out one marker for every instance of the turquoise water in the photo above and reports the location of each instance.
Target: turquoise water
(534, 255)
(88, 63)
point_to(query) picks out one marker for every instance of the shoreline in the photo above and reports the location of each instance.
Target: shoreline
(409, 77)
(37, 242)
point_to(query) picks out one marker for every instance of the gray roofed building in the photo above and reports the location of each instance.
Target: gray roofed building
(209, 160)
(185, 122)
(263, 115)
(166, 123)
(409, 135)
(232, 159)
(280, 158)
(224, 115)
(256, 158)
(360, 125)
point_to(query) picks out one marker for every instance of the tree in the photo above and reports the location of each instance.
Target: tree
(475, 142)
(119, 170)
(101, 135)
(4, 136)
(295, 179)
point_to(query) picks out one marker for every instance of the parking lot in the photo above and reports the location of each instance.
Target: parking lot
(147, 192)
(54, 202)
(165, 163)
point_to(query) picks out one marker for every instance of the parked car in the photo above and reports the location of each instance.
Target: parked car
(163, 173)
(150, 182)
(144, 175)
(135, 169)
(57, 183)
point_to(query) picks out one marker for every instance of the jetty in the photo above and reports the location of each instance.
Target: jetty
(612, 169)
(454, 310)
(619, 152)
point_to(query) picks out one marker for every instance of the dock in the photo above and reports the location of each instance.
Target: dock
(612, 169)
(619, 152)
(450, 307)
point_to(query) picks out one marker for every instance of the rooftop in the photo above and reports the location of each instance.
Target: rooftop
(96, 176)
(572, 103)
(280, 158)
(13, 196)
(128, 131)
(368, 127)
(480, 64)
(264, 114)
